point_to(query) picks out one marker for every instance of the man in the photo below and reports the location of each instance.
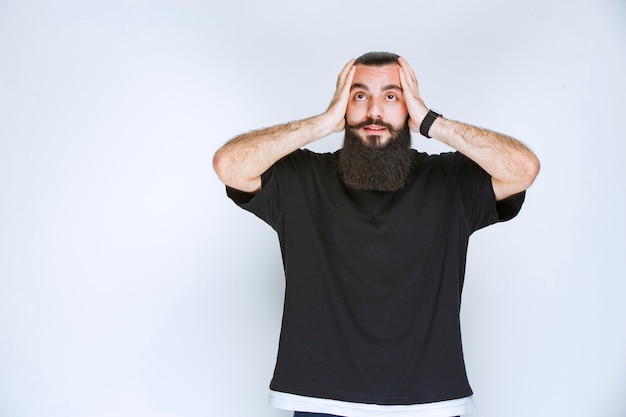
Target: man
(374, 239)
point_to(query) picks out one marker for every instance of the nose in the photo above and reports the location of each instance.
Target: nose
(374, 110)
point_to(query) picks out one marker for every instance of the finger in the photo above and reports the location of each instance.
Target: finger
(344, 85)
(407, 84)
(409, 74)
(348, 80)
(407, 70)
(405, 64)
(404, 76)
(342, 92)
(403, 80)
(345, 72)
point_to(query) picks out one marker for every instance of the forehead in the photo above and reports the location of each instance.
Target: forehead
(377, 78)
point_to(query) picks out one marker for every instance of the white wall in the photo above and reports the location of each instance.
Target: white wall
(131, 286)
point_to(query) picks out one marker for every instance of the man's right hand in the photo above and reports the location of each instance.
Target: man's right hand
(336, 111)
(241, 161)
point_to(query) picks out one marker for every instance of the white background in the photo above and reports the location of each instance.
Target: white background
(131, 286)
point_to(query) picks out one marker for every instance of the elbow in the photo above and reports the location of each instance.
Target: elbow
(522, 177)
(230, 172)
(527, 172)
(221, 165)
(532, 168)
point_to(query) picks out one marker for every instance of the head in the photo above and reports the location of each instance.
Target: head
(376, 154)
(376, 109)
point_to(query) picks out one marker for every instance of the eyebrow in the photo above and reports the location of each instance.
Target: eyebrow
(385, 88)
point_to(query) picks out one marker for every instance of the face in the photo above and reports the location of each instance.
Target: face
(376, 109)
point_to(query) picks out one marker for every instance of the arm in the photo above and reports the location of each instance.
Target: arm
(512, 166)
(241, 161)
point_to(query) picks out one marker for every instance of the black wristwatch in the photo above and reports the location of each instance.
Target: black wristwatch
(428, 122)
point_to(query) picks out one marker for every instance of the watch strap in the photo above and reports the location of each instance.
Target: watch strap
(428, 122)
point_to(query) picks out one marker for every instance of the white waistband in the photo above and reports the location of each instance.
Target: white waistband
(293, 402)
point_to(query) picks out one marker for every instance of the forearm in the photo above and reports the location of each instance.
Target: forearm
(512, 166)
(241, 161)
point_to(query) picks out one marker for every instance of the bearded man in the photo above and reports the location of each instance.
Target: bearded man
(374, 240)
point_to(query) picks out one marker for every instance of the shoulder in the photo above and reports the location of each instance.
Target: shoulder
(300, 161)
(301, 156)
(443, 164)
(457, 163)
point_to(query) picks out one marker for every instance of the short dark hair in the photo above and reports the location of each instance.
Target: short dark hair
(377, 59)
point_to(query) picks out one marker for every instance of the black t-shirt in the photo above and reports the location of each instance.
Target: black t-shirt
(374, 279)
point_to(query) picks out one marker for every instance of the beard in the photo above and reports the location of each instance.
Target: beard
(365, 164)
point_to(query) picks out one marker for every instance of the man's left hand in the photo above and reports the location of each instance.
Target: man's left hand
(410, 90)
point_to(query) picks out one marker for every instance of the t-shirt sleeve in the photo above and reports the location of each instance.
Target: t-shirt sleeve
(479, 200)
(276, 182)
(510, 206)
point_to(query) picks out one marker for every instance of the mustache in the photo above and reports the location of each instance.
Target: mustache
(369, 122)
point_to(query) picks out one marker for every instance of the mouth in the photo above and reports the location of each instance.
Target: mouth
(374, 129)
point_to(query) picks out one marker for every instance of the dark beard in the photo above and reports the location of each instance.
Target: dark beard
(373, 167)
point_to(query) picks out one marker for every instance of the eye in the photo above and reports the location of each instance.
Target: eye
(359, 96)
(391, 97)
